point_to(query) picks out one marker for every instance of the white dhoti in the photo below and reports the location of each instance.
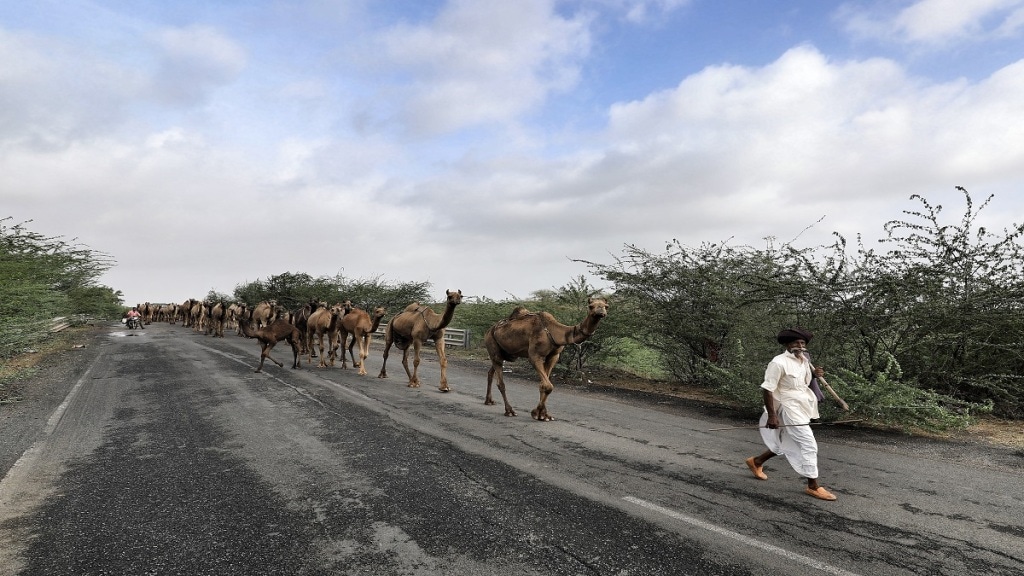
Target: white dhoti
(795, 441)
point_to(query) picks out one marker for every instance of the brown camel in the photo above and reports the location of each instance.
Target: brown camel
(197, 316)
(322, 321)
(278, 330)
(540, 338)
(361, 326)
(216, 314)
(185, 312)
(265, 313)
(415, 325)
(300, 317)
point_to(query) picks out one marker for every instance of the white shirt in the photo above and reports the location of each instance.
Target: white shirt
(788, 378)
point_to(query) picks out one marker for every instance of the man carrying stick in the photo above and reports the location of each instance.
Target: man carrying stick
(789, 406)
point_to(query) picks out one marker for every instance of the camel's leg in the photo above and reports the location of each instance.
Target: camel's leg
(351, 353)
(296, 350)
(384, 363)
(495, 372)
(342, 344)
(550, 362)
(332, 341)
(265, 355)
(443, 359)
(320, 345)
(414, 381)
(546, 387)
(495, 369)
(364, 353)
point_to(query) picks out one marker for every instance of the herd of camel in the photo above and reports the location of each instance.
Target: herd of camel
(536, 336)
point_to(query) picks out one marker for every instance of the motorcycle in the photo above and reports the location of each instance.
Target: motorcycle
(133, 323)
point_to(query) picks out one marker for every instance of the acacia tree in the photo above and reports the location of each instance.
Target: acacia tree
(938, 311)
(45, 277)
(955, 294)
(293, 290)
(700, 305)
(570, 304)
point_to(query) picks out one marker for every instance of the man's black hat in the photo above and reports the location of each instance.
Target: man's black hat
(790, 334)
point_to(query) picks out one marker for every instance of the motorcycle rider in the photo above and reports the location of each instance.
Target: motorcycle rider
(134, 314)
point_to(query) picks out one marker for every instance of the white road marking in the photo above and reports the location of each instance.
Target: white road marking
(752, 542)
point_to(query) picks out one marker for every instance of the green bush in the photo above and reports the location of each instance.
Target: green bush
(886, 399)
(45, 278)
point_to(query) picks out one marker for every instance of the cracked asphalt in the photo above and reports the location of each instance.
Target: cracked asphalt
(163, 453)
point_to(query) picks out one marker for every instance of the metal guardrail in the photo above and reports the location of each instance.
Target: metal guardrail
(458, 337)
(59, 324)
(20, 337)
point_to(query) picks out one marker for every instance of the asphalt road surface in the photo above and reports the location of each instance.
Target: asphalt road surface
(162, 452)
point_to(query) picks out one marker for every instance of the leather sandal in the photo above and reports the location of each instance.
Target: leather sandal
(820, 493)
(758, 472)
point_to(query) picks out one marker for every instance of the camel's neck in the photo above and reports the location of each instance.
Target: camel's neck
(376, 322)
(246, 328)
(446, 318)
(584, 329)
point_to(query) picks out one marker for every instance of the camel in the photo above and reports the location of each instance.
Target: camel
(242, 313)
(415, 325)
(185, 312)
(265, 313)
(216, 318)
(361, 326)
(147, 312)
(322, 321)
(540, 338)
(197, 315)
(235, 312)
(300, 317)
(166, 313)
(271, 335)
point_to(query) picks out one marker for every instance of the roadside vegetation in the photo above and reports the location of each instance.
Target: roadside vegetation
(45, 279)
(921, 333)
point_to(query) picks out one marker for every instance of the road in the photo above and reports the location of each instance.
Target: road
(167, 454)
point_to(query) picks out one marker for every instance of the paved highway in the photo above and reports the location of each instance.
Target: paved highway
(167, 454)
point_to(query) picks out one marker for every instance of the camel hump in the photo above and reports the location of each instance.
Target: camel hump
(519, 312)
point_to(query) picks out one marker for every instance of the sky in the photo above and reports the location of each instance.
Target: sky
(493, 146)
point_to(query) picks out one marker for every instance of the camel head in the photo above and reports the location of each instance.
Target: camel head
(348, 306)
(598, 307)
(454, 297)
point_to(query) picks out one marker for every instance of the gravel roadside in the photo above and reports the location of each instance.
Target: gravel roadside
(38, 394)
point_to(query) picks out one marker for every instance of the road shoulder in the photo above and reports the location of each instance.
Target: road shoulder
(42, 391)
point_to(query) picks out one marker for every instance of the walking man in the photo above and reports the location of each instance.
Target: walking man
(789, 406)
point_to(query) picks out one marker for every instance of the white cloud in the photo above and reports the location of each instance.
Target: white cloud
(484, 62)
(194, 61)
(639, 11)
(731, 151)
(751, 151)
(937, 22)
(52, 93)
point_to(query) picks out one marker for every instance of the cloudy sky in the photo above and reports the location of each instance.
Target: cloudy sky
(485, 145)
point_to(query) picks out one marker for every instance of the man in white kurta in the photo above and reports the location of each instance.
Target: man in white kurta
(790, 404)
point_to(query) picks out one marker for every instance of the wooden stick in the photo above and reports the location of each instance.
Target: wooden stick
(757, 427)
(842, 403)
